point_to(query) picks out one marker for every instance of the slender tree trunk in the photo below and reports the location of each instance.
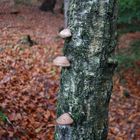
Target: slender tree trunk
(86, 86)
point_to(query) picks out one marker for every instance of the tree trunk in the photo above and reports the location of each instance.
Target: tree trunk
(66, 6)
(86, 86)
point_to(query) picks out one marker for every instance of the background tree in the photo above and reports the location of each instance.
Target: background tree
(48, 5)
(86, 85)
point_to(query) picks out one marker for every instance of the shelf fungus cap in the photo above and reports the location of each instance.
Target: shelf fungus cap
(64, 119)
(65, 33)
(61, 61)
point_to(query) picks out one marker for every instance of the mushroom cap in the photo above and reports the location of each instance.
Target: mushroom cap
(65, 33)
(64, 119)
(61, 61)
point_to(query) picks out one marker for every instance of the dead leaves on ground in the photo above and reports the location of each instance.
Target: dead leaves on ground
(28, 88)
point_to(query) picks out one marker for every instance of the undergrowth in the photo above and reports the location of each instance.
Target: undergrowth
(129, 11)
(128, 28)
(3, 117)
(129, 57)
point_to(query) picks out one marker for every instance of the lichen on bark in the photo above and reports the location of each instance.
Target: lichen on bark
(86, 86)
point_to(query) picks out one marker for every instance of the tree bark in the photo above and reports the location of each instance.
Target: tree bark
(86, 86)
(66, 6)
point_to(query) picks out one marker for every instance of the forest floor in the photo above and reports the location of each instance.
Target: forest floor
(29, 82)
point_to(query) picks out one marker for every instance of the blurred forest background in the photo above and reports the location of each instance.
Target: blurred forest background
(29, 82)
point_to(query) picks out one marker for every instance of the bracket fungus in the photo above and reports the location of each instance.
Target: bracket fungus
(65, 33)
(64, 119)
(61, 61)
(112, 62)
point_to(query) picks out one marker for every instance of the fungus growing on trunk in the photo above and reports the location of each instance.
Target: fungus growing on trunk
(61, 61)
(65, 33)
(64, 119)
(64, 127)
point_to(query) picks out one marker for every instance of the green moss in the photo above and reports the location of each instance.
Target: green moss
(3, 117)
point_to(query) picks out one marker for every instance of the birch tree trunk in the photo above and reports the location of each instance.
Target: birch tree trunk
(66, 6)
(86, 86)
